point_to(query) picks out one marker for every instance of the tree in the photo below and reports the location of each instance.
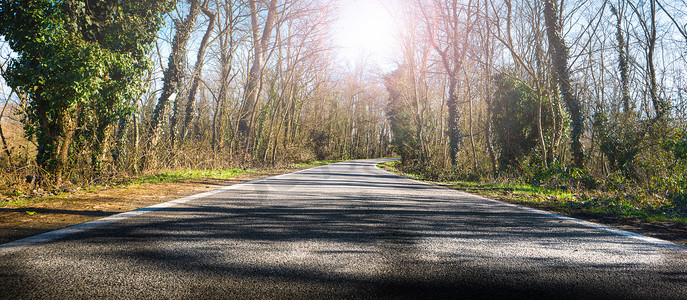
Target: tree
(261, 42)
(561, 68)
(449, 25)
(648, 28)
(230, 16)
(515, 118)
(400, 114)
(75, 56)
(173, 75)
(188, 114)
(623, 61)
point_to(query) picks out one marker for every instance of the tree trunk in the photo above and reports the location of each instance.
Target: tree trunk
(540, 130)
(471, 132)
(226, 41)
(188, 115)
(452, 56)
(260, 45)
(489, 55)
(623, 62)
(660, 106)
(56, 138)
(173, 75)
(455, 136)
(101, 146)
(562, 70)
(2, 134)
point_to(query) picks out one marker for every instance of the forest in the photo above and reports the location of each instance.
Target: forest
(583, 96)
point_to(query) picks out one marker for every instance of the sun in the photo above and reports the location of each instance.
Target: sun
(365, 29)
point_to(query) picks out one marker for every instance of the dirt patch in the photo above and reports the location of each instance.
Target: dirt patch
(20, 221)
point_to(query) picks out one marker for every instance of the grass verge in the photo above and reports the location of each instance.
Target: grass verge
(185, 175)
(169, 176)
(30, 215)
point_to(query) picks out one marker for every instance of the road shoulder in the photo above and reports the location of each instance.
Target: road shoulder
(674, 233)
(36, 217)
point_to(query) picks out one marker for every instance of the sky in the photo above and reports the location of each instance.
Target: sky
(365, 29)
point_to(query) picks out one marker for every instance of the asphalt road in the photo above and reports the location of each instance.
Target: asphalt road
(347, 230)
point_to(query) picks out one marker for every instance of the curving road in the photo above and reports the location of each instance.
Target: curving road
(347, 230)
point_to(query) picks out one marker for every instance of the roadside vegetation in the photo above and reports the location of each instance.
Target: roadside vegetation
(184, 175)
(536, 108)
(97, 94)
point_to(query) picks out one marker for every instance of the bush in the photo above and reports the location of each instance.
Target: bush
(515, 119)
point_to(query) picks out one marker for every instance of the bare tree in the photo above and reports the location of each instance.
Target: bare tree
(623, 61)
(261, 43)
(188, 115)
(449, 25)
(648, 27)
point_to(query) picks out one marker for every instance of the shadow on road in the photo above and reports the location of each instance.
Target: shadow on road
(370, 235)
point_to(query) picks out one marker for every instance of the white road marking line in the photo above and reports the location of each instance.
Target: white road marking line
(636, 236)
(83, 227)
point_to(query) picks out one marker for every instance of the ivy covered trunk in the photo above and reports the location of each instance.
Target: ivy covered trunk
(79, 63)
(560, 66)
(55, 138)
(188, 112)
(455, 136)
(174, 74)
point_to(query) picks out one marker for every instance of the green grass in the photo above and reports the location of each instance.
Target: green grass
(315, 163)
(592, 202)
(515, 189)
(183, 175)
(488, 187)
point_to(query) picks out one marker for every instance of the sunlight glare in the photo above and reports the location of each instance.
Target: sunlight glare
(365, 29)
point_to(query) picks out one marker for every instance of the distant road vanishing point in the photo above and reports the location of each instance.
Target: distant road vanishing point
(346, 230)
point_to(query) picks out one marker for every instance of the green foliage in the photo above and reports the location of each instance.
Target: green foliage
(677, 145)
(644, 157)
(664, 170)
(182, 175)
(77, 58)
(557, 176)
(404, 140)
(620, 141)
(514, 119)
(614, 196)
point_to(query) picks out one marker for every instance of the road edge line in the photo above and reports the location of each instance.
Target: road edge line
(620, 232)
(53, 235)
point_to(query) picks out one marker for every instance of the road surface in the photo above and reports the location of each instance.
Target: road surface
(347, 230)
